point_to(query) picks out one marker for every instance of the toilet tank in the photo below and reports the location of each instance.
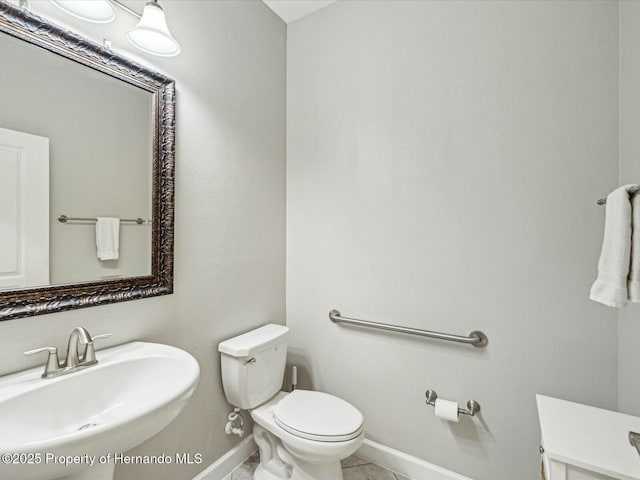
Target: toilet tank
(253, 365)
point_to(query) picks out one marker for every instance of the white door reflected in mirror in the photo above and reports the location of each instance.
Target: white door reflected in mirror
(24, 216)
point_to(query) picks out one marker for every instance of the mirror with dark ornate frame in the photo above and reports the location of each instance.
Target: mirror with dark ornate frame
(157, 131)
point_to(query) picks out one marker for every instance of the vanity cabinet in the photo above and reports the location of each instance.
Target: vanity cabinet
(555, 470)
(580, 442)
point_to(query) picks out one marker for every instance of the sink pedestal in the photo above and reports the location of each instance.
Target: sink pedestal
(97, 472)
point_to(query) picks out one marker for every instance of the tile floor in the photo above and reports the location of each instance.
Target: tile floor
(353, 468)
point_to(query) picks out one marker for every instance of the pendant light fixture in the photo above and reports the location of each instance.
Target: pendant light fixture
(151, 35)
(96, 11)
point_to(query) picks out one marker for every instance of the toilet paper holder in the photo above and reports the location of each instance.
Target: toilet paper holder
(473, 407)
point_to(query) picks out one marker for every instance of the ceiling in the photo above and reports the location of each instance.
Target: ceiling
(290, 10)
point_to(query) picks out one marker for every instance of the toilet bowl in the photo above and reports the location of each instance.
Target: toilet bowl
(316, 429)
(301, 435)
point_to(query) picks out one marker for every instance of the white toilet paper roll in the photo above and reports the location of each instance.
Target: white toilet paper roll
(447, 410)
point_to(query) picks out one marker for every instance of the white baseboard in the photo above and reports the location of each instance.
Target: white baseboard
(405, 464)
(374, 452)
(229, 461)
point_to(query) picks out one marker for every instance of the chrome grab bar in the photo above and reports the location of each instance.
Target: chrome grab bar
(634, 440)
(475, 338)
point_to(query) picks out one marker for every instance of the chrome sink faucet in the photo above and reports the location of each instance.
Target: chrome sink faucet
(74, 357)
(75, 360)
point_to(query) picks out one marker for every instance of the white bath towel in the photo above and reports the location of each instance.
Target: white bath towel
(108, 238)
(614, 277)
(633, 284)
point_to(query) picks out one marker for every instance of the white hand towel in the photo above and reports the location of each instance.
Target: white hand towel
(634, 273)
(107, 237)
(610, 287)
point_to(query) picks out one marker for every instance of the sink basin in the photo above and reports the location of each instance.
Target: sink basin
(134, 391)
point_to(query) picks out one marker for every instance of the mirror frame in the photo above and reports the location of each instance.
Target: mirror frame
(24, 25)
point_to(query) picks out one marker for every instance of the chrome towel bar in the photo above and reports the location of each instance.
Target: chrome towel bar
(475, 338)
(632, 191)
(65, 219)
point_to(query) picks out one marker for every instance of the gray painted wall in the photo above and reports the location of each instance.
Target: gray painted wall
(629, 384)
(230, 213)
(443, 163)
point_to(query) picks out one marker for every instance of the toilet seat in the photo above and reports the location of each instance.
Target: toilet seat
(318, 416)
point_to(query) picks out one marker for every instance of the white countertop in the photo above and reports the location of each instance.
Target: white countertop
(591, 438)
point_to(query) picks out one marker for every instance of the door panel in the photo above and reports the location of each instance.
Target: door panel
(24, 210)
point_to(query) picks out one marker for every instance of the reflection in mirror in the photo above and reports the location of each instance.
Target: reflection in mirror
(74, 142)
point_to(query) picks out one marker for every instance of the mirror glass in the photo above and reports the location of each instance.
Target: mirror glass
(74, 142)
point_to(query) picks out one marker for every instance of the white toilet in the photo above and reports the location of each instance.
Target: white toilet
(301, 435)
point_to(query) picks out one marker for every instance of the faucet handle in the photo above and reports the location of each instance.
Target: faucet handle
(51, 350)
(102, 335)
(52, 360)
(90, 352)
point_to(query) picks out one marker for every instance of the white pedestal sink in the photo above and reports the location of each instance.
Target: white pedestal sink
(134, 391)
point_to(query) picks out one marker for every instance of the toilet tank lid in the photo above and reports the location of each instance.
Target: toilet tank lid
(254, 341)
